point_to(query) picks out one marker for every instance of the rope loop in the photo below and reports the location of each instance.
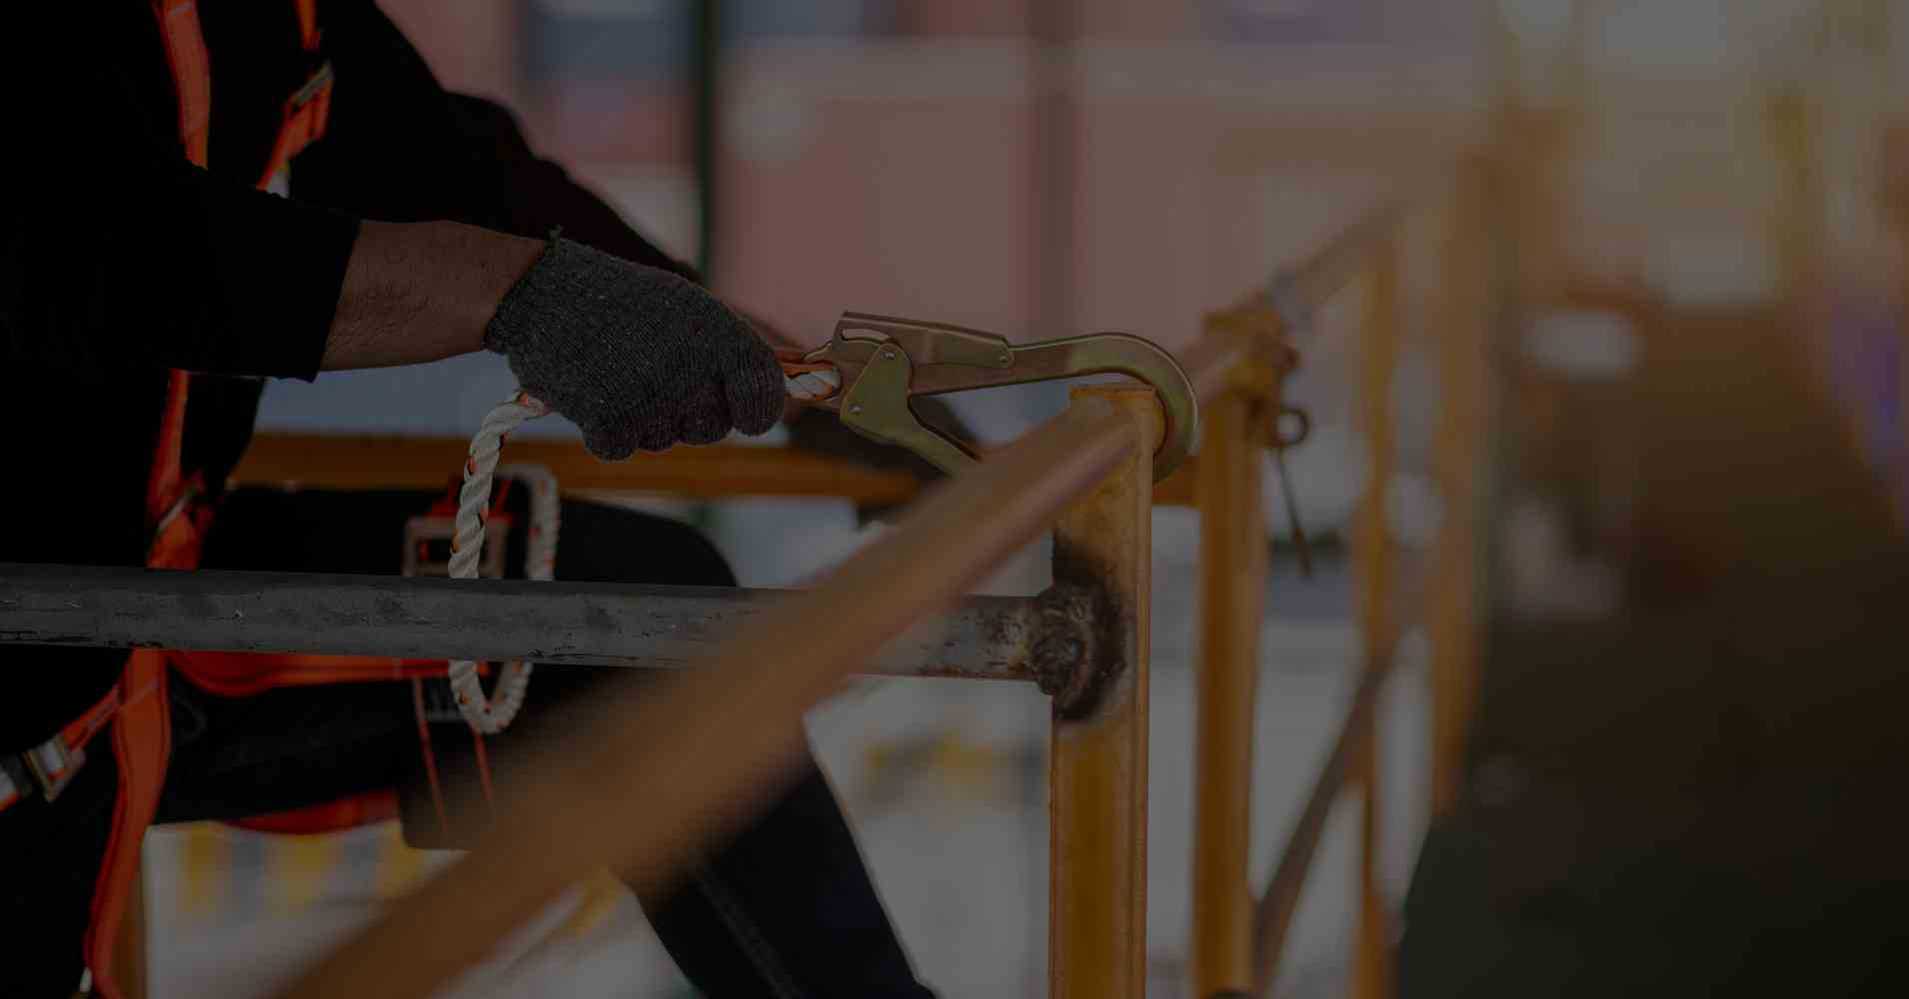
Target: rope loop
(492, 713)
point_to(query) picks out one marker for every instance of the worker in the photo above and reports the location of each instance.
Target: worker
(210, 195)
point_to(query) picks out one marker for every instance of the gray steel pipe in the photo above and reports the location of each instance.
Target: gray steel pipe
(604, 624)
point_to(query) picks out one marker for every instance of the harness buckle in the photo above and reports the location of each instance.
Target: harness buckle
(53, 765)
(318, 85)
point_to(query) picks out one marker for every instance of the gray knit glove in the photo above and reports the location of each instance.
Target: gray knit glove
(635, 356)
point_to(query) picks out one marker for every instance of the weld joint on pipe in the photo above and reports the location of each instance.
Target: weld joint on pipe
(1075, 650)
(1061, 649)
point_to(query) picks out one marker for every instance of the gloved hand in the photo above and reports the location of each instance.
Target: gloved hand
(635, 356)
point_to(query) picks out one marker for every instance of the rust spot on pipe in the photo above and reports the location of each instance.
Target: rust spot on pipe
(1079, 649)
(1061, 646)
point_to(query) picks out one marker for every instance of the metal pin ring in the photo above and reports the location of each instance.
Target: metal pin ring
(1301, 427)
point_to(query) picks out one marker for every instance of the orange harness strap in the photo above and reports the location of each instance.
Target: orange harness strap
(142, 736)
(142, 727)
(191, 72)
(302, 121)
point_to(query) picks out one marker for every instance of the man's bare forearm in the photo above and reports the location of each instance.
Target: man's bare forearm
(418, 292)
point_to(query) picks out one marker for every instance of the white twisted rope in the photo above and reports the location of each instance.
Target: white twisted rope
(812, 385)
(485, 714)
(493, 713)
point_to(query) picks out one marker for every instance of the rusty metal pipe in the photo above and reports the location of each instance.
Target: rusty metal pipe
(1233, 563)
(595, 624)
(1097, 760)
(1378, 623)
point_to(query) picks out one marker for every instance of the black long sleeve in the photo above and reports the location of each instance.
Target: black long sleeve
(401, 148)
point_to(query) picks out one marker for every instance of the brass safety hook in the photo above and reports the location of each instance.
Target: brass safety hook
(884, 361)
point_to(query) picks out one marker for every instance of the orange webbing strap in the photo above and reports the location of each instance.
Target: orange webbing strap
(325, 817)
(302, 121)
(166, 487)
(142, 730)
(142, 743)
(307, 23)
(191, 72)
(142, 735)
(242, 674)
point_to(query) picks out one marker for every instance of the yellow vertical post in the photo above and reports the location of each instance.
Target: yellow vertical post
(1232, 588)
(204, 867)
(1463, 320)
(1379, 331)
(1097, 885)
(298, 869)
(399, 867)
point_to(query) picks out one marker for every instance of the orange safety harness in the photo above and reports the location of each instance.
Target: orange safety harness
(179, 512)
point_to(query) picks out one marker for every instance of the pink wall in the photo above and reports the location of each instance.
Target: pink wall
(881, 192)
(918, 209)
(963, 17)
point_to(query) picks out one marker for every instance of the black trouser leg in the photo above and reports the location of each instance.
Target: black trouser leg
(786, 909)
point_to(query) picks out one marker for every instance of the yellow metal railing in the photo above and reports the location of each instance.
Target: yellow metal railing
(1237, 943)
(1236, 948)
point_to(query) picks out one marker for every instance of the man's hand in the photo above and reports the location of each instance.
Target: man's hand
(635, 356)
(781, 341)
